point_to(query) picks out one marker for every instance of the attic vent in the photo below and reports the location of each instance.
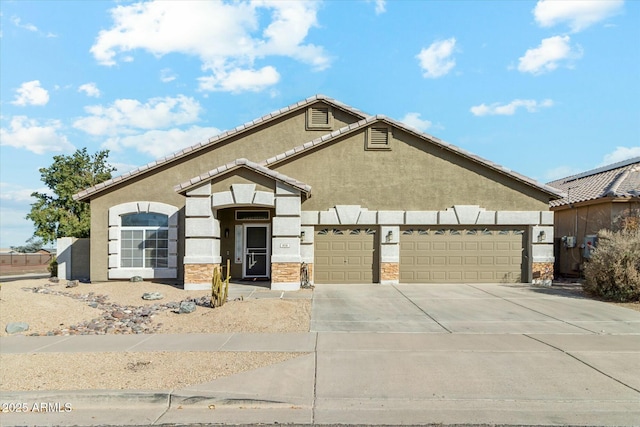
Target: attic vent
(319, 117)
(379, 138)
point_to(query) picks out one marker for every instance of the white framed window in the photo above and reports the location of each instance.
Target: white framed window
(143, 240)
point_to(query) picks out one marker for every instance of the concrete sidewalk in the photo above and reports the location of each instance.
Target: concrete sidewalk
(408, 354)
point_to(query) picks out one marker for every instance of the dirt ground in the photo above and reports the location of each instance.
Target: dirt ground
(137, 370)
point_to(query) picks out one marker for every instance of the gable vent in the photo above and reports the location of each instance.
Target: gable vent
(379, 137)
(320, 116)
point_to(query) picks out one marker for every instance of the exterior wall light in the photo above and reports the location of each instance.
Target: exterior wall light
(302, 236)
(226, 233)
(542, 236)
(389, 236)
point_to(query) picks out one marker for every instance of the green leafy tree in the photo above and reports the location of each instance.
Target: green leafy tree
(32, 245)
(58, 215)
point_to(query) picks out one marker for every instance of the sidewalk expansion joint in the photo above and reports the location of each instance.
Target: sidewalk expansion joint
(531, 309)
(169, 396)
(420, 308)
(583, 362)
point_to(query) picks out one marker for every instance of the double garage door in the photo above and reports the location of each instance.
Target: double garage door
(457, 255)
(451, 255)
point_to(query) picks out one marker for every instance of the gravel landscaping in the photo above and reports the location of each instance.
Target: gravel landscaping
(118, 308)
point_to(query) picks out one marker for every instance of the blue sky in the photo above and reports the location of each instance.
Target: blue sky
(546, 88)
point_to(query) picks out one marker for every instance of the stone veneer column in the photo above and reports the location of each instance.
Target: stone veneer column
(389, 255)
(542, 256)
(285, 243)
(202, 239)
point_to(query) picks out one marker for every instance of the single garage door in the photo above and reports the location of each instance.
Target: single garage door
(345, 255)
(458, 255)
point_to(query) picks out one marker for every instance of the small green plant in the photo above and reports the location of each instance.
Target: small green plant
(53, 267)
(613, 272)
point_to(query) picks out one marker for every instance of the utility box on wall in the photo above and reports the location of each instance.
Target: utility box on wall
(590, 243)
(569, 241)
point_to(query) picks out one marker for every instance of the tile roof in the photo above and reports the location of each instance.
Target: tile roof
(86, 193)
(442, 144)
(238, 163)
(620, 179)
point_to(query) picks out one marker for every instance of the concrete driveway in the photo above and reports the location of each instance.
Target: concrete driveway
(504, 354)
(463, 308)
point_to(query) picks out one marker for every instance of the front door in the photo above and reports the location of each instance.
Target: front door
(256, 250)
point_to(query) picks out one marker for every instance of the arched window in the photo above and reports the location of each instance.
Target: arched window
(144, 240)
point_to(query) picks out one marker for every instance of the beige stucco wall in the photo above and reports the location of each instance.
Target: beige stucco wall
(413, 175)
(263, 142)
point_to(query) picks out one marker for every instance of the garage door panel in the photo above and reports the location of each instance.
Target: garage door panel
(345, 255)
(461, 255)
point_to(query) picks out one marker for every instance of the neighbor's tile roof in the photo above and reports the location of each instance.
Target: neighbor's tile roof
(432, 139)
(620, 179)
(193, 182)
(86, 193)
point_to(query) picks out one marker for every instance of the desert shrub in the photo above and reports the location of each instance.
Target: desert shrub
(613, 272)
(53, 267)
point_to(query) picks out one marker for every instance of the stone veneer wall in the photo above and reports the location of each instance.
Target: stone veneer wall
(389, 271)
(285, 272)
(199, 273)
(542, 273)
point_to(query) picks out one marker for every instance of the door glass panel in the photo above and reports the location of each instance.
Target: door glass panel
(257, 237)
(256, 252)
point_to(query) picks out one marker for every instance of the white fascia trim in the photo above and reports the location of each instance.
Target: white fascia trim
(145, 273)
(197, 286)
(285, 286)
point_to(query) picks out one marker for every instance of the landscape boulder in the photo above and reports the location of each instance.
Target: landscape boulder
(152, 296)
(72, 283)
(187, 307)
(16, 327)
(136, 279)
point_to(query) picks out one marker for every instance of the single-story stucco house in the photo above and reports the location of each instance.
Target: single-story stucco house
(593, 201)
(357, 198)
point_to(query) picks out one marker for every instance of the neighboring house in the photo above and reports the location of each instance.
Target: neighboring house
(358, 198)
(593, 200)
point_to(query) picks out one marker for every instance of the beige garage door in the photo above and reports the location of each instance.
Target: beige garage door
(345, 255)
(458, 255)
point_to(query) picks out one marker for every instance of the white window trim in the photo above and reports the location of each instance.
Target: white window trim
(115, 227)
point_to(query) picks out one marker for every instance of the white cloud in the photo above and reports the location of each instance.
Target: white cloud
(227, 37)
(15, 229)
(18, 23)
(159, 143)
(18, 194)
(509, 109)
(239, 80)
(414, 120)
(560, 172)
(548, 56)
(31, 93)
(620, 154)
(123, 167)
(436, 60)
(166, 75)
(90, 89)
(36, 137)
(578, 14)
(381, 6)
(127, 115)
